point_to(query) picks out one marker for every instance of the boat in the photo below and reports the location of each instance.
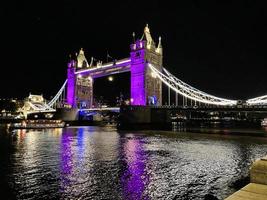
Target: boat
(264, 122)
(36, 124)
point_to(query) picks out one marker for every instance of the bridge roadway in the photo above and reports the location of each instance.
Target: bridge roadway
(204, 109)
(162, 115)
(191, 108)
(215, 108)
(184, 109)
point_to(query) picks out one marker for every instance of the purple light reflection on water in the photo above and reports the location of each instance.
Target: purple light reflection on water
(80, 143)
(71, 84)
(134, 179)
(66, 159)
(72, 161)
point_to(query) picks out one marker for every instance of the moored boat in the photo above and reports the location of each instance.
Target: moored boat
(39, 123)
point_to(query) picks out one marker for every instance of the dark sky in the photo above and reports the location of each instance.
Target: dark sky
(219, 48)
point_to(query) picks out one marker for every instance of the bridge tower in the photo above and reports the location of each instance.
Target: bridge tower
(71, 83)
(146, 89)
(80, 87)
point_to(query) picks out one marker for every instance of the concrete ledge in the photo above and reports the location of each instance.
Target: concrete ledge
(258, 171)
(257, 189)
(252, 191)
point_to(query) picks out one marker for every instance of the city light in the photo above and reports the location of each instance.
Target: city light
(154, 75)
(110, 78)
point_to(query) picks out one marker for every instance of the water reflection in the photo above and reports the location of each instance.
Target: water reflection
(75, 173)
(100, 163)
(21, 135)
(34, 166)
(134, 179)
(66, 157)
(80, 143)
(85, 154)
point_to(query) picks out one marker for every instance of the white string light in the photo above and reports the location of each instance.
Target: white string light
(188, 91)
(262, 100)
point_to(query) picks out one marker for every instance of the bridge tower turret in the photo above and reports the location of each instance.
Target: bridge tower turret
(79, 88)
(146, 89)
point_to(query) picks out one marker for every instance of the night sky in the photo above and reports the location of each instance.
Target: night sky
(219, 48)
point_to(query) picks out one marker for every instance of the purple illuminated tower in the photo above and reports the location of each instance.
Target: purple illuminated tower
(138, 73)
(80, 87)
(146, 89)
(71, 83)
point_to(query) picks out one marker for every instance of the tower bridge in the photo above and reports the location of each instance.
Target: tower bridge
(147, 77)
(144, 87)
(147, 73)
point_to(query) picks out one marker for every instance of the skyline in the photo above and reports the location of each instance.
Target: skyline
(202, 45)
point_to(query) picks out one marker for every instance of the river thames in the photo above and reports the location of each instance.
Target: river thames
(104, 163)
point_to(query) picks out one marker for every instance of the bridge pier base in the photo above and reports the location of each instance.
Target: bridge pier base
(67, 114)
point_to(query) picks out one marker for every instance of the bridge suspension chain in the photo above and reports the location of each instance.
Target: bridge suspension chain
(188, 91)
(56, 97)
(197, 93)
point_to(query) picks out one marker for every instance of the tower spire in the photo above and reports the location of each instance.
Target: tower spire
(159, 48)
(148, 37)
(81, 59)
(133, 37)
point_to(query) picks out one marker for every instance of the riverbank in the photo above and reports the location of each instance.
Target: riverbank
(257, 188)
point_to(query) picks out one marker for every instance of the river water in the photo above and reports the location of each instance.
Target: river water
(103, 163)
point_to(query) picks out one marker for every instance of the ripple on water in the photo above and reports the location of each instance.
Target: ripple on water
(100, 163)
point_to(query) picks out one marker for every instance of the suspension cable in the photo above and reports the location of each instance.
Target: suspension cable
(53, 101)
(188, 91)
